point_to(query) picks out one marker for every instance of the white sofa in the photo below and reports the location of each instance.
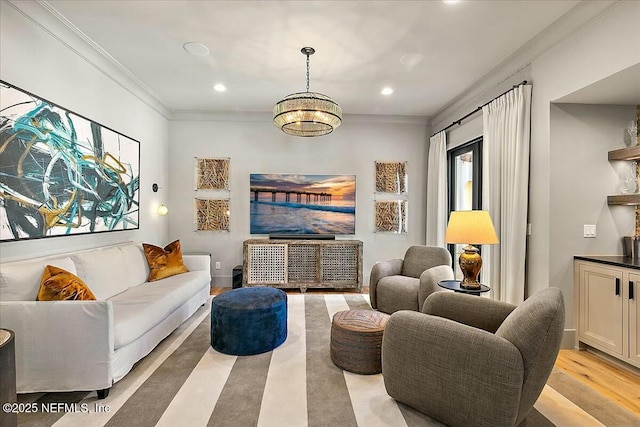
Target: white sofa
(89, 345)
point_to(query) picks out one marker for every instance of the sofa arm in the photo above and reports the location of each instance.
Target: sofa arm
(197, 262)
(434, 365)
(483, 313)
(61, 345)
(382, 269)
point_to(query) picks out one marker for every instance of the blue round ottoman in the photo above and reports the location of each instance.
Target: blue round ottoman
(248, 321)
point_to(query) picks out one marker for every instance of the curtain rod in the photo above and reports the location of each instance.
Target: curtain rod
(459, 121)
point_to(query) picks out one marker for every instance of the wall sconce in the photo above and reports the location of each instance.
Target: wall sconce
(163, 210)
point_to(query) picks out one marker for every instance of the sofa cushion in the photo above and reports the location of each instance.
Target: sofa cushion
(142, 307)
(164, 262)
(104, 270)
(20, 281)
(136, 263)
(60, 285)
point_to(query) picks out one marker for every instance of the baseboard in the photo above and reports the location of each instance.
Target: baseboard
(221, 281)
(568, 339)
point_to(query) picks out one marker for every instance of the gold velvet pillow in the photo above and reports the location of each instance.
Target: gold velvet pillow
(60, 285)
(164, 262)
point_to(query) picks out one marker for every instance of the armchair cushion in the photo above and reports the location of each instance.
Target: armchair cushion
(397, 293)
(465, 309)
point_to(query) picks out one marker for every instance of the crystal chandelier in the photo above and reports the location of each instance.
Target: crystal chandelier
(307, 113)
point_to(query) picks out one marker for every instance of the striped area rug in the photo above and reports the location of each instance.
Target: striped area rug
(184, 382)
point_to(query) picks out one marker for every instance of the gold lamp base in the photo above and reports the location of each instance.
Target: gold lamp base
(470, 263)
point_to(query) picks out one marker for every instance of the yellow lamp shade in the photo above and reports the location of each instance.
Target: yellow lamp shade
(470, 227)
(163, 210)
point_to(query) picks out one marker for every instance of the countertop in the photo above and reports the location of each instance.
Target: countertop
(617, 260)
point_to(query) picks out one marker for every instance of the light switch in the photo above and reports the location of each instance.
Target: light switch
(589, 230)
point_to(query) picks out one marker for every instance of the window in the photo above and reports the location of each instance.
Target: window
(465, 186)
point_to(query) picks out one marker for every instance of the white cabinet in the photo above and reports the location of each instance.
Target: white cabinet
(608, 316)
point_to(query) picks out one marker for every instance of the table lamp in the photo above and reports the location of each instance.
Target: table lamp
(470, 227)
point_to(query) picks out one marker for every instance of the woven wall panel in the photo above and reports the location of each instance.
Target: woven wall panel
(339, 263)
(267, 264)
(302, 263)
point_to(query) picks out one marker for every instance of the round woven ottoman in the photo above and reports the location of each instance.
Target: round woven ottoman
(248, 321)
(356, 340)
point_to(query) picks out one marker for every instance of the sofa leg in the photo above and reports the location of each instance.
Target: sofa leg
(102, 394)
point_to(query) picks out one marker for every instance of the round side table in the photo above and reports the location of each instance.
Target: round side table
(456, 286)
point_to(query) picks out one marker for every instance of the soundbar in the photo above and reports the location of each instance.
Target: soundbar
(302, 237)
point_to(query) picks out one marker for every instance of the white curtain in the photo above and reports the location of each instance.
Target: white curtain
(505, 178)
(437, 201)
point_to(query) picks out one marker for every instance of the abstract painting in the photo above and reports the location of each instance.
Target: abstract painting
(61, 173)
(391, 177)
(391, 216)
(212, 215)
(212, 174)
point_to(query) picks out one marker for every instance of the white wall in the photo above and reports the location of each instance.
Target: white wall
(41, 56)
(607, 46)
(603, 47)
(581, 179)
(255, 145)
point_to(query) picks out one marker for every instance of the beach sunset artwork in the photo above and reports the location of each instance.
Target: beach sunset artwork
(302, 204)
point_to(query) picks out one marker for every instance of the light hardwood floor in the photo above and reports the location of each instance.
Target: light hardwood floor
(607, 379)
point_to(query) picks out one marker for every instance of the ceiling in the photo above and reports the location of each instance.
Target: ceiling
(255, 48)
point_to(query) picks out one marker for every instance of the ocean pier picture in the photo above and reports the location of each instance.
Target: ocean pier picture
(302, 204)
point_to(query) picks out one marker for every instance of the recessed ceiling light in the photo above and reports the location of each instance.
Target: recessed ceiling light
(411, 59)
(386, 91)
(196, 49)
(219, 87)
(451, 1)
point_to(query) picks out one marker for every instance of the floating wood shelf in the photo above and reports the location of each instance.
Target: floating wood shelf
(624, 199)
(629, 153)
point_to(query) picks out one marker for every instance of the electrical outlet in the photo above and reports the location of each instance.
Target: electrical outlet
(217, 265)
(529, 229)
(589, 231)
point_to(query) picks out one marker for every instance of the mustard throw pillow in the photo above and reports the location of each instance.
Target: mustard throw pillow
(164, 262)
(60, 285)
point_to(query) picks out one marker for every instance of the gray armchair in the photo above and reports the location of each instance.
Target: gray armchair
(404, 284)
(471, 360)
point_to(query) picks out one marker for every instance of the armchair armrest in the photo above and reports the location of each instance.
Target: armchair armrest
(424, 361)
(61, 345)
(483, 313)
(382, 269)
(429, 281)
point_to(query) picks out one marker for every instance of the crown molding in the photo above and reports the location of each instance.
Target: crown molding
(517, 66)
(48, 19)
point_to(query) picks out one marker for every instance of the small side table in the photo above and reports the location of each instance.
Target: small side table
(8, 377)
(455, 285)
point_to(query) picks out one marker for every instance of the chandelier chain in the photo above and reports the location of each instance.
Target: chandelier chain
(307, 72)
